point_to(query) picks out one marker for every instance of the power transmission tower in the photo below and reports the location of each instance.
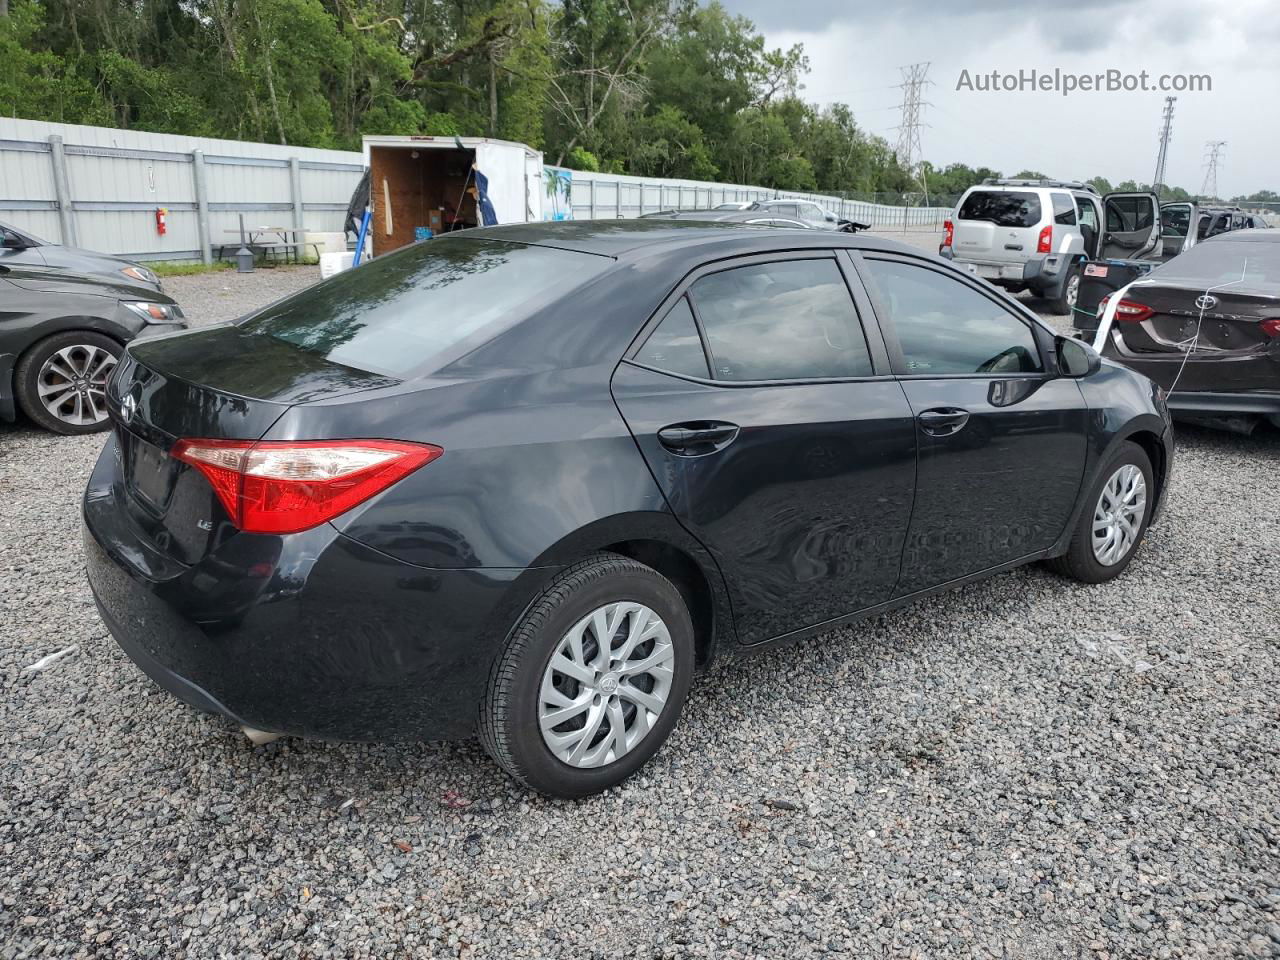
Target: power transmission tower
(1157, 180)
(1210, 187)
(908, 151)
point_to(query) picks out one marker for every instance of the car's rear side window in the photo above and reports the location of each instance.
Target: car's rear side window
(1064, 208)
(946, 328)
(1004, 208)
(413, 310)
(675, 346)
(785, 320)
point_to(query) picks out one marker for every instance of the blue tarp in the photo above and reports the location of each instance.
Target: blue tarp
(488, 217)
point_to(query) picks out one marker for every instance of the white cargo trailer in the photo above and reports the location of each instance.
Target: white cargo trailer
(428, 183)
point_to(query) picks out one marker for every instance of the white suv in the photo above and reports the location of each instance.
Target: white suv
(1037, 234)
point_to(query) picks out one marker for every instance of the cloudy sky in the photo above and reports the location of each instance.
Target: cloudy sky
(856, 47)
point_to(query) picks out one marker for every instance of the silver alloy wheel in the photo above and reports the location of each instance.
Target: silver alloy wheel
(73, 384)
(606, 684)
(1118, 516)
(1073, 290)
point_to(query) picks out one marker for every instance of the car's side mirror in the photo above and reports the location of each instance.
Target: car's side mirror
(1076, 358)
(12, 241)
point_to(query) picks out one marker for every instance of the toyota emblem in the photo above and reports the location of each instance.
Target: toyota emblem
(1206, 302)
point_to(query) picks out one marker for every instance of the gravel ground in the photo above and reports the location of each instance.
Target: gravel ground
(1021, 768)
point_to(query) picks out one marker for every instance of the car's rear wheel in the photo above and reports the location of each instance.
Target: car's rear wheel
(1114, 519)
(592, 680)
(61, 382)
(1065, 302)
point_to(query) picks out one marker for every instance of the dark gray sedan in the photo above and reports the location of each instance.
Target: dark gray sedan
(24, 248)
(61, 334)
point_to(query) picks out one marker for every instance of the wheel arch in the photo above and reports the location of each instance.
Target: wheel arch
(1147, 431)
(657, 540)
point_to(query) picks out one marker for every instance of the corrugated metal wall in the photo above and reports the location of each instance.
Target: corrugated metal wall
(115, 180)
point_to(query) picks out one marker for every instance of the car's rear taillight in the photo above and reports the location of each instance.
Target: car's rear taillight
(949, 232)
(1045, 243)
(1271, 326)
(1127, 311)
(286, 486)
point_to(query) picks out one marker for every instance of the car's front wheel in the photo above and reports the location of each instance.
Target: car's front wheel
(592, 679)
(61, 382)
(1114, 519)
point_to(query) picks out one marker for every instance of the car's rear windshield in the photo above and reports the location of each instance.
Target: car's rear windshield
(412, 311)
(1004, 208)
(1225, 263)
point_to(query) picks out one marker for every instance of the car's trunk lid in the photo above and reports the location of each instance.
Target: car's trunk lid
(215, 383)
(1205, 326)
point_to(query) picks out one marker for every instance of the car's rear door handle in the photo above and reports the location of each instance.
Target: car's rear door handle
(697, 437)
(942, 421)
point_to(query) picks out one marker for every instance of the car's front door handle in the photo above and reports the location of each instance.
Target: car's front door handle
(942, 421)
(697, 437)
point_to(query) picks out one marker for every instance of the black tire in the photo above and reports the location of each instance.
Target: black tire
(509, 721)
(1064, 303)
(27, 379)
(1080, 562)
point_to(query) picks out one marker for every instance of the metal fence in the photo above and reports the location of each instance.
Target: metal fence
(100, 188)
(608, 195)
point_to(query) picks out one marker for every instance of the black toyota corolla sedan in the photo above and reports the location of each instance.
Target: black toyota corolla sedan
(523, 482)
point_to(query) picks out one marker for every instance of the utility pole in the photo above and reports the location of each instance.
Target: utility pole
(1157, 180)
(908, 151)
(1210, 187)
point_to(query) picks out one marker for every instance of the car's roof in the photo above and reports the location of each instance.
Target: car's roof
(634, 239)
(1248, 235)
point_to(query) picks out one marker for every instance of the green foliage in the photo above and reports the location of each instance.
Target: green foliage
(579, 159)
(662, 88)
(38, 83)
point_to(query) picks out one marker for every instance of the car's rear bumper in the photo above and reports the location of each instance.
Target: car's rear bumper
(313, 634)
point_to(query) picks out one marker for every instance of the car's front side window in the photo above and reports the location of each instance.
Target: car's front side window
(784, 320)
(945, 327)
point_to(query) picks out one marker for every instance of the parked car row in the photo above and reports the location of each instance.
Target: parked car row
(521, 483)
(1039, 235)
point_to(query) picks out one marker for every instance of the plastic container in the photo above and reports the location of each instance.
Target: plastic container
(335, 262)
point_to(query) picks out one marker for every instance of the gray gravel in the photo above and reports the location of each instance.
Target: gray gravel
(1021, 768)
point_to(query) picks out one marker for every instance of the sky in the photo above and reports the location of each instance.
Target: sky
(856, 47)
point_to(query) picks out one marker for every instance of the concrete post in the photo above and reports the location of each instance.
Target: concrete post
(591, 198)
(62, 191)
(295, 187)
(202, 206)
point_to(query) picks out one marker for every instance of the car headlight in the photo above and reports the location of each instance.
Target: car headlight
(154, 312)
(140, 273)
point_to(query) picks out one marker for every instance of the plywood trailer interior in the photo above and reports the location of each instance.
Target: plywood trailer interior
(424, 186)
